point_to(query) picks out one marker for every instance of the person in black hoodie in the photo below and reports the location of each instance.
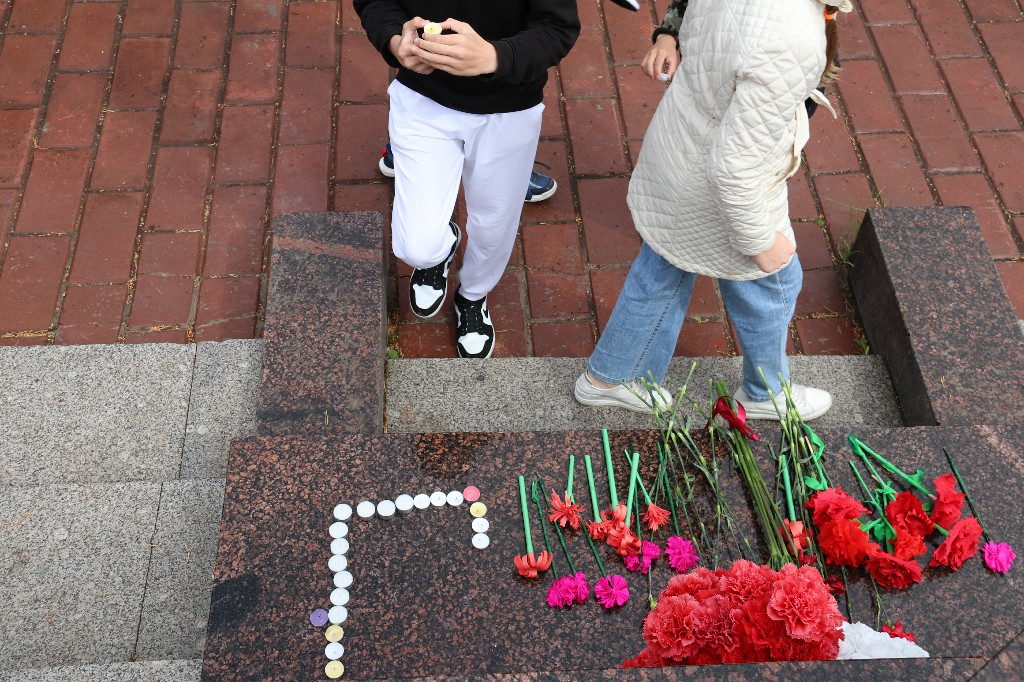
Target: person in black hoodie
(466, 106)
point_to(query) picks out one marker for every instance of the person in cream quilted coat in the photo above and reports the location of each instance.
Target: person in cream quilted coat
(708, 196)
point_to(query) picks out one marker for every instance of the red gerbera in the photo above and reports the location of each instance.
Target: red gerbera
(906, 513)
(833, 504)
(960, 546)
(897, 631)
(845, 543)
(655, 517)
(565, 513)
(890, 571)
(948, 502)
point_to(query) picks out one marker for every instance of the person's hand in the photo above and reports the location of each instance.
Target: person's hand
(777, 256)
(663, 56)
(464, 54)
(402, 46)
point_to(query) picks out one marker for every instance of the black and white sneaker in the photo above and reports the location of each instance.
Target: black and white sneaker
(429, 286)
(474, 333)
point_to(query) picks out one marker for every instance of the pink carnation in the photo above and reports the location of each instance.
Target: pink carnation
(580, 587)
(611, 591)
(682, 555)
(641, 563)
(562, 593)
(999, 556)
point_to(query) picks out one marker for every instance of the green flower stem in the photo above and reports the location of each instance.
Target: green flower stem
(672, 504)
(593, 490)
(640, 481)
(789, 488)
(891, 468)
(526, 515)
(561, 537)
(597, 557)
(572, 473)
(611, 469)
(967, 495)
(543, 527)
(632, 488)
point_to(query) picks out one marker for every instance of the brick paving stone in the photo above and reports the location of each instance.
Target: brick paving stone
(369, 197)
(553, 247)
(558, 208)
(149, 17)
(555, 294)
(161, 300)
(947, 28)
(830, 148)
(908, 59)
(252, 68)
(301, 179)
(191, 110)
(801, 202)
(506, 307)
(364, 75)
(844, 199)
(585, 70)
(179, 335)
(139, 72)
(8, 202)
(973, 190)
(202, 31)
(640, 96)
(829, 336)
(590, 12)
(606, 285)
(124, 150)
(94, 305)
(854, 36)
(562, 339)
(74, 110)
(1012, 274)
(700, 339)
(630, 35)
(53, 191)
(886, 11)
(868, 99)
(237, 328)
(177, 201)
(24, 67)
(939, 133)
(1004, 43)
(812, 243)
(978, 94)
(36, 16)
(362, 134)
(310, 42)
(306, 108)
(1002, 154)
(704, 302)
(106, 238)
(896, 170)
(551, 123)
(170, 253)
(237, 228)
(89, 39)
(30, 282)
(602, 153)
(17, 126)
(258, 15)
(993, 10)
(226, 298)
(610, 236)
(426, 340)
(821, 294)
(246, 137)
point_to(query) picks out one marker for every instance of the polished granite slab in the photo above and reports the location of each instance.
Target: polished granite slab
(934, 308)
(424, 602)
(325, 334)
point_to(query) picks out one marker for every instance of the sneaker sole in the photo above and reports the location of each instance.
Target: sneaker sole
(385, 170)
(594, 401)
(543, 196)
(772, 416)
(458, 240)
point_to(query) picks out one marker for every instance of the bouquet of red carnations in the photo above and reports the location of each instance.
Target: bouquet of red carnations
(743, 614)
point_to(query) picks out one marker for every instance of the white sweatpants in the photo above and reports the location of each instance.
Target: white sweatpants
(435, 147)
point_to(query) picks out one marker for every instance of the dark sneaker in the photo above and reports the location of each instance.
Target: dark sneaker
(474, 333)
(541, 187)
(429, 286)
(387, 161)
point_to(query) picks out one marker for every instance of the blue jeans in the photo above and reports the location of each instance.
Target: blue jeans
(644, 326)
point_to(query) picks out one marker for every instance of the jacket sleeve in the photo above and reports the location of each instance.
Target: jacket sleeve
(673, 20)
(553, 28)
(382, 20)
(755, 129)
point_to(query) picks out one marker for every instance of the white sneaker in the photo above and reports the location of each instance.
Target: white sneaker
(811, 403)
(621, 396)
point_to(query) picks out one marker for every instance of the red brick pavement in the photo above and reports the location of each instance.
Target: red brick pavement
(146, 144)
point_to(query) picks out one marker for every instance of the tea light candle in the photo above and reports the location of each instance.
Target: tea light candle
(343, 579)
(478, 510)
(480, 540)
(337, 615)
(338, 529)
(454, 498)
(343, 512)
(421, 501)
(481, 525)
(338, 562)
(438, 498)
(385, 509)
(339, 546)
(404, 504)
(365, 509)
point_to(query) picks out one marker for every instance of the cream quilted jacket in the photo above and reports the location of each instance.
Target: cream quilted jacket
(709, 189)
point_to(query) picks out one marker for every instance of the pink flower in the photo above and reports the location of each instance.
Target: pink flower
(999, 556)
(581, 590)
(641, 563)
(562, 592)
(682, 555)
(611, 591)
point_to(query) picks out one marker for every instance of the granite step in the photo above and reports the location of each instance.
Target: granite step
(535, 394)
(137, 671)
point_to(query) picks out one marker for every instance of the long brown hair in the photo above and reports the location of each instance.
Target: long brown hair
(831, 71)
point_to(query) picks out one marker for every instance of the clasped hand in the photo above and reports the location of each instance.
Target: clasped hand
(463, 54)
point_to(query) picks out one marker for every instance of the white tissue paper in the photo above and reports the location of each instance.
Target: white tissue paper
(862, 642)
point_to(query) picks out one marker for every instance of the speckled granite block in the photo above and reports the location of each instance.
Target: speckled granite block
(933, 306)
(324, 339)
(424, 603)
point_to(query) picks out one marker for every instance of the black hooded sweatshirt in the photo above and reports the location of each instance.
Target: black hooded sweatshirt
(530, 36)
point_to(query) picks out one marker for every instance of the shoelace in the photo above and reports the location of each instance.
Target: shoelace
(472, 317)
(432, 277)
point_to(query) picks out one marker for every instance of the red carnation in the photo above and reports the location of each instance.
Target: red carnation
(655, 517)
(890, 571)
(948, 502)
(898, 631)
(960, 546)
(801, 600)
(598, 530)
(747, 580)
(565, 513)
(667, 629)
(833, 504)
(906, 513)
(907, 545)
(713, 624)
(699, 583)
(647, 658)
(836, 585)
(845, 543)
